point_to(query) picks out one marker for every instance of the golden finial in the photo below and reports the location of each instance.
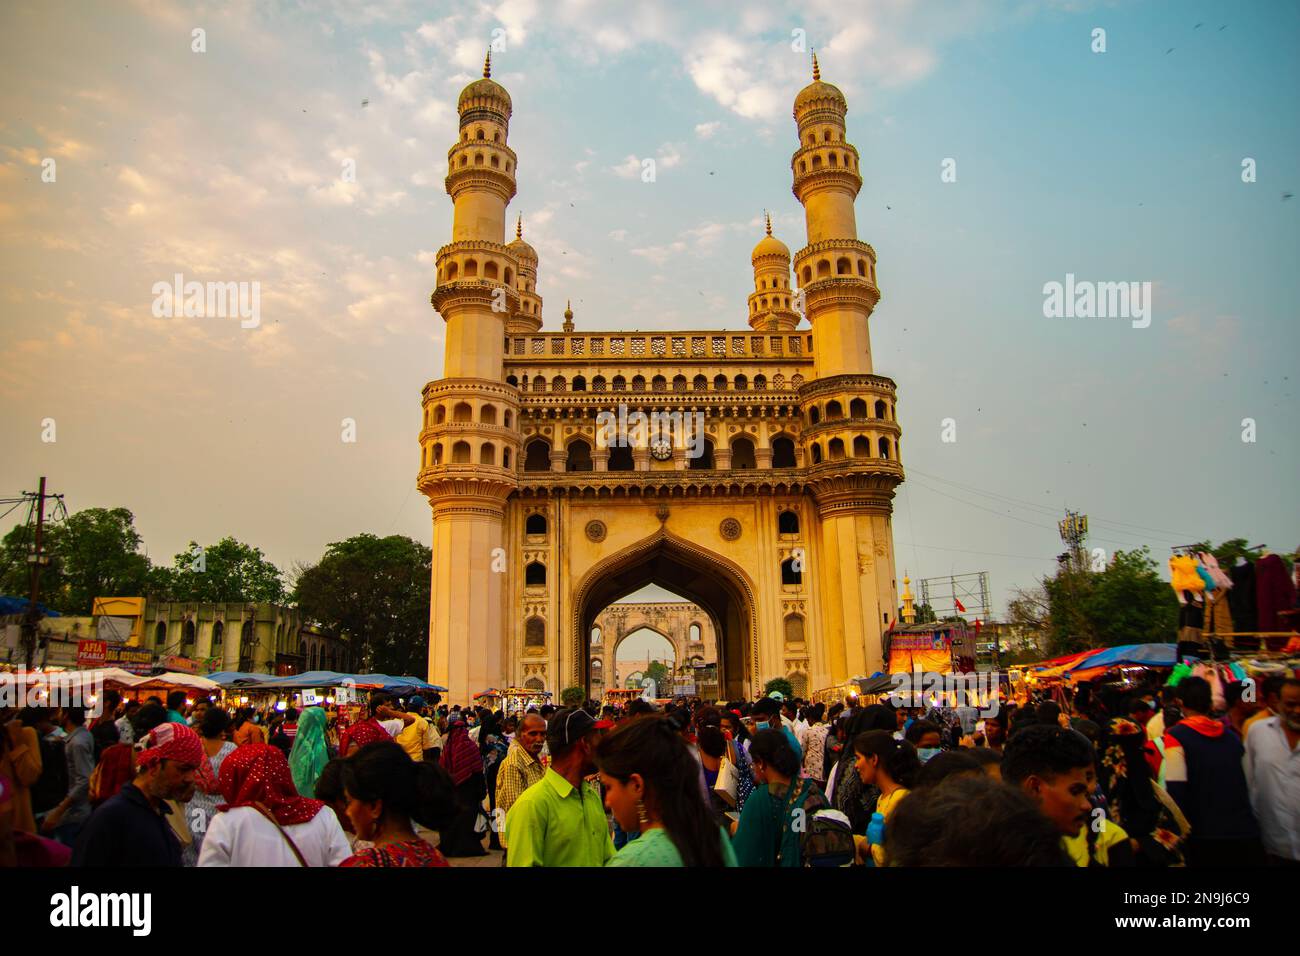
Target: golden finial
(568, 308)
(817, 70)
(768, 216)
(487, 64)
(519, 227)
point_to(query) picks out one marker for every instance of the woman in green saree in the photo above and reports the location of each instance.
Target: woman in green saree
(766, 834)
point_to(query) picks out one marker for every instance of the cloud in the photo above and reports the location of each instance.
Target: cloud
(707, 130)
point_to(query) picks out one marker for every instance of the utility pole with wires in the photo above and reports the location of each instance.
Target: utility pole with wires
(1074, 529)
(37, 560)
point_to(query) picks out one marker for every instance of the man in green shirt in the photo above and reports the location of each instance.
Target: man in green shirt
(560, 820)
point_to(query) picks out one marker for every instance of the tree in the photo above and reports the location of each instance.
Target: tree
(376, 591)
(781, 684)
(94, 553)
(573, 697)
(226, 571)
(1127, 603)
(658, 671)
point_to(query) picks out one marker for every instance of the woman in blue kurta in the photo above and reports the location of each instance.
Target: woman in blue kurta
(766, 834)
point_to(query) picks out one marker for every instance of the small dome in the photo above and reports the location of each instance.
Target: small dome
(771, 246)
(522, 250)
(817, 90)
(486, 88)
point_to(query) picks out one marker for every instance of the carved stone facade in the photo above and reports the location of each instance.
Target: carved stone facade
(773, 517)
(687, 627)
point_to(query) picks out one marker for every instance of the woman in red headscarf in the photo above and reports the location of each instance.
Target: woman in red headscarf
(264, 822)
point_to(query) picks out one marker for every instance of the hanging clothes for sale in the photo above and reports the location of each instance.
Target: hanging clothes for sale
(1183, 577)
(1273, 591)
(1211, 565)
(1242, 596)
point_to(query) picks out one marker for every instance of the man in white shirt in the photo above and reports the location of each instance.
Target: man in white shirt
(1272, 767)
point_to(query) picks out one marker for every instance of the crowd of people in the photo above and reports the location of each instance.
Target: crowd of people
(1155, 778)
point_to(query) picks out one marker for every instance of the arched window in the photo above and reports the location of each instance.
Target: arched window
(597, 672)
(440, 414)
(742, 454)
(638, 383)
(789, 574)
(843, 267)
(539, 383)
(579, 383)
(247, 646)
(794, 629)
(471, 268)
(659, 383)
(701, 384)
(598, 383)
(703, 461)
(460, 453)
(807, 274)
(534, 684)
(535, 575)
(579, 456)
(760, 382)
(862, 268)
(505, 458)
(695, 634)
(437, 453)
(218, 640)
(835, 449)
(557, 383)
(816, 453)
(619, 384)
(508, 418)
(720, 383)
(189, 640)
(679, 383)
(490, 270)
(883, 446)
(535, 632)
(823, 268)
(783, 453)
(537, 455)
(814, 415)
(787, 522)
(857, 408)
(834, 409)
(462, 413)
(488, 415)
(880, 409)
(535, 524)
(595, 635)
(861, 447)
(487, 454)
(453, 271)
(741, 383)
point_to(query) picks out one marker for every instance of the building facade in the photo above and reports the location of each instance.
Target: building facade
(769, 507)
(686, 627)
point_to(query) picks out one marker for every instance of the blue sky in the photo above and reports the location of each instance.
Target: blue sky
(225, 165)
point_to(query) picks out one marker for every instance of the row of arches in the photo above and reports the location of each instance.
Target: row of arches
(835, 449)
(537, 455)
(491, 271)
(834, 160)
(828, 136)
(659, 383)
(462, 453)
(464, 412)
(494, 161)
(764, 303)
(787, 522)
(844, 266)
(858, 408)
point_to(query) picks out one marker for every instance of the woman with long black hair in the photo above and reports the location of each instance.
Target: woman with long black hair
(847, 792)
(385, 791)
(492, 747)
(776, 813)
(890, 767)
(652, 785)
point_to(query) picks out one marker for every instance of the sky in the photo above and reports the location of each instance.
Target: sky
(227, 165)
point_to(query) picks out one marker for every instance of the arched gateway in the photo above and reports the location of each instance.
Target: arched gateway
(762, 489)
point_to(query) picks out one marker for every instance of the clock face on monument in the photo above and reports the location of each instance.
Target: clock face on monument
(661, 450)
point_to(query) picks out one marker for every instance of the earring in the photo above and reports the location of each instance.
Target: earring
(642, 817)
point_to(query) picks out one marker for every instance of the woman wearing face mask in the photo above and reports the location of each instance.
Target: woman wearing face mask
(891, 767)
(775, 815)
(848, 794)
(926, 737)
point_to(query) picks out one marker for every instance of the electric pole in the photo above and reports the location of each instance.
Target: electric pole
(36, 560)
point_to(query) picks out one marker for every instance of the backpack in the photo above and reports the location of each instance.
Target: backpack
(52, 787)
(828, 841)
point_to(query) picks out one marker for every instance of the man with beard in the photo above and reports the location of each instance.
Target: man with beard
(131, 828)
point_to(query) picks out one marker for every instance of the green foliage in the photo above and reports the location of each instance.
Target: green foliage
(1229, 551)
(94, 553)
(781, 684)
(376, 591)
(658, 670)
(573, 697)
(226, 571)
(1127, 603)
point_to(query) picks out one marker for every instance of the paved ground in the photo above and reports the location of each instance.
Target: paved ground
(493, 858)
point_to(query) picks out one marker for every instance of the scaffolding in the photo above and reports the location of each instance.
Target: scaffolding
(964, 596)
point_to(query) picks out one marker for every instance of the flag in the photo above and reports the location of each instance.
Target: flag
(960, 607)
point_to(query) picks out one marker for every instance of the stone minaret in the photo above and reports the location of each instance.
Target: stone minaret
(771, 304)
(529, 316)
(850, 435)
(836, 271)
(470, 439)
